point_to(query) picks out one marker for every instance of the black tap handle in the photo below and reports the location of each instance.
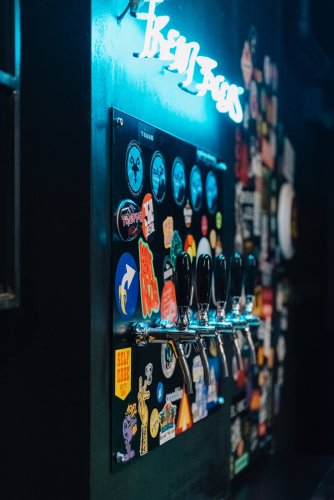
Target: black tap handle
(182, 279)
(236, 275)
(220, 277)
(203, 278)
(250, 274)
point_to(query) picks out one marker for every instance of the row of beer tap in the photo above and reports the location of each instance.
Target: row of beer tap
(218, 325)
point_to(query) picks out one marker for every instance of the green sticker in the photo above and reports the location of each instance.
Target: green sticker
(219, 220)
(176, 247)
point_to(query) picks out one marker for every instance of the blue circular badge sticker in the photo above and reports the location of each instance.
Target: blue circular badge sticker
(134, 167)
(211, 190)
(196, 188)
(158, 176)
(179, 182)
(126, 285)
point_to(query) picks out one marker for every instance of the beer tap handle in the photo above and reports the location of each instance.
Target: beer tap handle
(182, 289)
(203, 290)
(220, 278)
(236, 273)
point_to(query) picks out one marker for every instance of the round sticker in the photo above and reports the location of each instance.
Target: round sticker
(219, 220)
(168, 360)
(134, 168)
(168, 306)
(158, 176)
(128, 219)
(211, 190)
(203, 247)
(126, 285)
(147, 211)
(160, 392)
(204, 225)
(179, 181)
(196, 188)
(287, 220)
(154, 423)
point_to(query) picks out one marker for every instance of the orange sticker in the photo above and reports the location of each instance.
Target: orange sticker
(168, 302)
(168, 230)
(149, 290)
(184, 422)
(271, 358)
(190, 246)
(255, 401)
(147, 211)
(260, 356)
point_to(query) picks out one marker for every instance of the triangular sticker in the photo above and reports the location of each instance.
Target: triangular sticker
(184, 421)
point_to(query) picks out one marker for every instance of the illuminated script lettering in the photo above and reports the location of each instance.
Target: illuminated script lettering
(184, 58)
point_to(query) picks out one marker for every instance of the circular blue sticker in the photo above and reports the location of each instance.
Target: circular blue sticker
(179, 181)
(196, 188)
(160, 392)
(134, 168)
(126, 285)
(211, 190)
(158, 176)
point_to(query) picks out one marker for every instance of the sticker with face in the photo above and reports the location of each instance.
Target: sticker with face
(134, 168)
(196, 188)
(211, 190)
(179, 181)
(129, 430)
(158, 176)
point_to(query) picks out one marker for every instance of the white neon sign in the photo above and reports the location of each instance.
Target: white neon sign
(184, 59)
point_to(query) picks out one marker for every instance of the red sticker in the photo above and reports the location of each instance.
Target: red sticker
(147, 216)
(168, 302)
(204, 225)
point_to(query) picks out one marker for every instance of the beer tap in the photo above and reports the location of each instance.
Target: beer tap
(222, 326)
(252, 320)
(202, 327)
(164, 331)
(238, 321)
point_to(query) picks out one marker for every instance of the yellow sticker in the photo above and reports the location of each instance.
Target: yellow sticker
(168, 230)
(219, 220)
(122, 372)
(154, 423)
(213, 238)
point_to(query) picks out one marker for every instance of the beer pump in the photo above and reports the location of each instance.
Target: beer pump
(252, 320)
(165, 331)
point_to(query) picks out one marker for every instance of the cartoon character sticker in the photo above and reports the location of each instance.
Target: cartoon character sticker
(196, 188)
(149, 291)
(148, 216)
(158, 176)
(128, 220)
(211, 190)
(143, 395)
(134, 167)
(179, 181)
(129, 430)
(126, 285)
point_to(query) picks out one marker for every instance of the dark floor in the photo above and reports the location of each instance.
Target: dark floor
(290, 477)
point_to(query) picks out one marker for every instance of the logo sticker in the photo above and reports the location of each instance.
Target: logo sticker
(184, 421)
(129, 430)
(122, 373)
(147, 210)
(149, 290)
(204, 225)
(188, 214)
(196, 188)
(143, 396)
(167, 269)
(168, 302)
(154, 423)
(168, 230)
(212, 400)
(179, 181)
(160, 392)
(158, 176)
(134, 168)
(168, 360)
(211, 190)
(167, 422)
(126, 285)
(190, 246)
(128, 219)
(213, 238)
(199, 407)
